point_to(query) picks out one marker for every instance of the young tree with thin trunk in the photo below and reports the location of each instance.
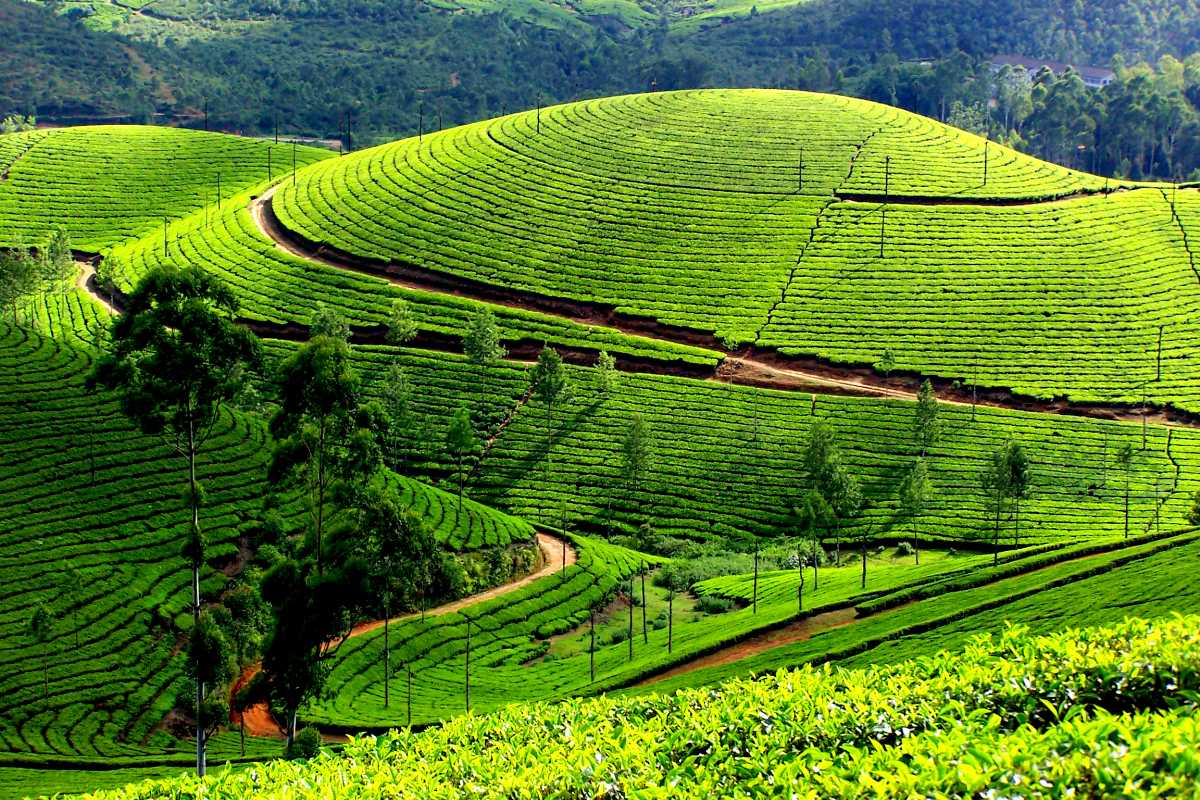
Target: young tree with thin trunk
(1019, 479)
(994, 480)
(926, 427)
(606, 373)
(550, 384)
(176, 358)
(810, 517)
(462, 444)
(916, 490)
(401, 327)
(481, 344)
(39, 629)
(637, 454)
(315, 427)
(402, 426)
(1125, 462)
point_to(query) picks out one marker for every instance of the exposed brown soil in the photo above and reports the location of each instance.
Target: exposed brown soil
(751, 365)
(960, 200)
(554, 557)
(798, 631)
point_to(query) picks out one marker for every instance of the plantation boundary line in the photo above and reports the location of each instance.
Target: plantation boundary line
(19, 156)
(765, 640)
(753, 366)
(555, 557)
(812, 234)
(1183, 231)
(993, 202)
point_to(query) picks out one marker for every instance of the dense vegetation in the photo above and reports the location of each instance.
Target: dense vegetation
(396, 447)
(1091, 712)
(104, 185)
(1043, 298)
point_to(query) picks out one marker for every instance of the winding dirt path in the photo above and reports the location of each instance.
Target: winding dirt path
(749, 365)
(85, 279)
(556, 554)
(798, 631)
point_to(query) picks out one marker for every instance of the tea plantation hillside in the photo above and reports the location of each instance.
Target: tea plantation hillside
(105, 184)
(91, 527)
(728, 460)
(788, 220)
(1091, 713)
(280, 288)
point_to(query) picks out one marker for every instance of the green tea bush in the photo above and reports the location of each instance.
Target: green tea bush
(1091, 713)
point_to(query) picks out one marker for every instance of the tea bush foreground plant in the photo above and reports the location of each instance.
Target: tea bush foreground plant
(1091, 713)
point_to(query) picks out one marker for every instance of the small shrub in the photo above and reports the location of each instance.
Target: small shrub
(713, 605)
(904, 549)
(306, 745)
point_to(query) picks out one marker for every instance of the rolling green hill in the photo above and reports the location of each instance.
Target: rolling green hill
(106, 184)
(724, 245)
(689, 209)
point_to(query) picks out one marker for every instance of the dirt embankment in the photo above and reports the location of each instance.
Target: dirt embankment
(556, 554)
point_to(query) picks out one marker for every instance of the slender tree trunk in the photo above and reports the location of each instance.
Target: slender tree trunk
(320, 493)
(1126, 503)
(387, 658)
(864, 562)
(670, 619)
(291, 727)
(592, 649)
(631, 618)
(996, 537)
(755, 596)
(645, 634)
(467, 672)
(816, 577)
(916, 544)
(549, 443)
(201, 754)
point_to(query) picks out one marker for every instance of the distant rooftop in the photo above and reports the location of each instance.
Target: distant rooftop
(1092, 76)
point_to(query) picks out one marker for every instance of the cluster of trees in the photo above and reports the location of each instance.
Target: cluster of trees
(834, 497)
(1144, 124)
(27, 274)
(176, 360)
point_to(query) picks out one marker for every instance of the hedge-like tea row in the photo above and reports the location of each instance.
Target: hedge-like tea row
(108, 183)
(1096, 713)
(685, 207)
(275, 286)
(728, 459)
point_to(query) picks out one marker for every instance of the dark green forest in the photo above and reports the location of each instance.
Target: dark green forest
(387, 69)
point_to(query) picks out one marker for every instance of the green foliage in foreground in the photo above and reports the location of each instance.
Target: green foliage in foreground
(1100, 712)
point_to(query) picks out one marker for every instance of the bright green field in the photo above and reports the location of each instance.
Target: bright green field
(727, 459)
(1147, 580)
(1092, 713)
(687, 208)
(106, 184)
(276, 286)
(81, 490)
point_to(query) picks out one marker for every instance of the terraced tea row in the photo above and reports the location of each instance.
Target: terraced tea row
(504, 633)
(107, 184)
(684, 207)
(728, 459)
(1067, 298)
(92, 525)
(1100, 589)
(277, 287)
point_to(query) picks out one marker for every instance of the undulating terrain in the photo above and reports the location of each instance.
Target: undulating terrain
(731, 278)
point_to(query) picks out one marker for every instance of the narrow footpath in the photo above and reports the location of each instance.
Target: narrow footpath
(555, 557)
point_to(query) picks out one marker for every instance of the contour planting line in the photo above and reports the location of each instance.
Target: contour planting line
(557, 555)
